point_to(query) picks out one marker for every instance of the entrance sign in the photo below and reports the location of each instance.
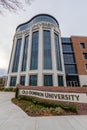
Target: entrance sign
(56, 96)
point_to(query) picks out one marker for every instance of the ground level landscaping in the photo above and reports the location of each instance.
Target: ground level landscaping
(38, 107)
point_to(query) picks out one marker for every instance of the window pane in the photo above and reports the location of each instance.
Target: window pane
(58, 57)
(24, 62)
(82, 45)
(86, 66)
(85, 55)
(47, 50)
(66, 40)
(33, 80)
(34, 52)
(13, 81)
(68, 58)
(67, 47)
(48, 81)
(70, 69)
(17, 55)
(60, 80)
(22, 80)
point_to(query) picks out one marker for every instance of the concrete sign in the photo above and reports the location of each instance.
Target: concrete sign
(56, 96)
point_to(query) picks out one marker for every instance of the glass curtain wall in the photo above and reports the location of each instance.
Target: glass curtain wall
(47, 50)
(58, 56)
(34, 51)
(17, 55)
(24, 61)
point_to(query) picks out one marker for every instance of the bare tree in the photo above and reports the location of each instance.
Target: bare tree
(12, 5)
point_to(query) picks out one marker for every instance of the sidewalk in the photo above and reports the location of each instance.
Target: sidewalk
(13, 118)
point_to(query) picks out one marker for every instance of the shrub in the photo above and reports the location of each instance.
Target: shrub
(48, 104)
(10, 89)
(1, 88)
(84, 86)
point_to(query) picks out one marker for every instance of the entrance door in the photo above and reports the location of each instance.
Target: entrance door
(72, 83)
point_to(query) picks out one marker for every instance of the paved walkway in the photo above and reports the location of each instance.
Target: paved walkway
(13, 118)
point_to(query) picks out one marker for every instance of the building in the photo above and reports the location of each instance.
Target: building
(41, 57)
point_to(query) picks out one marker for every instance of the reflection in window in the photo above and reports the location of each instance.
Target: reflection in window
(58, 57)
(48, 81)
(34, 52)
(17, 55)
(33, 80)
(47, 50)
(60, 80)
(24, 62)
(13, 81)
(22, 80)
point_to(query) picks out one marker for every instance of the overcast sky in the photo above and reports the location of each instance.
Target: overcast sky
(71, 15)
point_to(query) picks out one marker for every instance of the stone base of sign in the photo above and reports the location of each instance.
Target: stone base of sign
(66, 95)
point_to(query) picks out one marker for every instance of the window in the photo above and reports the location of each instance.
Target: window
(66, 40)
(33, 80)
(67, 47)
(13, 81)
(82, 45)
(47, 50)
(48, 81)
(34, 51)
(68, 58)
(86, 66)
(60, 80)
(24, 61)
(45, 18)
(17, 55)
(85, 55)
(58, 56)
(22, 80)
(70, 69)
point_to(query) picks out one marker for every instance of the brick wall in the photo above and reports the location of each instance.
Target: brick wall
(55, 89)
(78, 53)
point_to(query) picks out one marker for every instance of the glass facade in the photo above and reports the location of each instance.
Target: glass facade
(58, 56)
(25, 53)
(39, 18)
(13, 81)
(17, 55)
(47, 50)
(33, 80)
(70, 69)
(68, 58)
(22, 80)
(48, 80)
(60, 80)
(67, 48)
(34, 51)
